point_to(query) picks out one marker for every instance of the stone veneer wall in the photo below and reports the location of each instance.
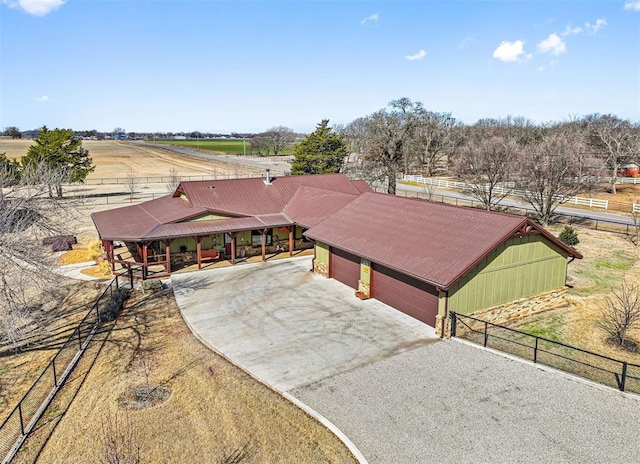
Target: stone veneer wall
(513, 310)
(364, 288)
(320, 268)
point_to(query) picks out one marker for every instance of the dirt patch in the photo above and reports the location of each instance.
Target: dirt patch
(214, 410)
(146, 396)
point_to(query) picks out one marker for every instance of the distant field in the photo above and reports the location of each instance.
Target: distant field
(225, 146)
(234, 146)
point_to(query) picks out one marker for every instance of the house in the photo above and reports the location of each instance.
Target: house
(422, 258)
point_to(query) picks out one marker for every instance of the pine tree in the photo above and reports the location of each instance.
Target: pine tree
(321, 152)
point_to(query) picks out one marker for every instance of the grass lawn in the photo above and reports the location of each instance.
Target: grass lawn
(214, 410)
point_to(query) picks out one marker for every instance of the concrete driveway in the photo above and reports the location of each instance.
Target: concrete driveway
(288, 326)
(450, 402)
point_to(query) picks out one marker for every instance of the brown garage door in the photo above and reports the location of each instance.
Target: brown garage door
(344, 267)
(411, 296)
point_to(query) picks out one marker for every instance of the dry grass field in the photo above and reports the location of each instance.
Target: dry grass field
(214, 408)
(114, 158)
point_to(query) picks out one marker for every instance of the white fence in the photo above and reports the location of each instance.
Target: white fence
(636, 208)
(506, 190)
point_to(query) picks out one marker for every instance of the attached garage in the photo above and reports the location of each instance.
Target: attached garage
(428, 259)
(411, 296)
(344, 267)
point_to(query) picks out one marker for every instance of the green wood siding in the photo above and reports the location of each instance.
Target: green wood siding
(518, 268)
(207, 217)
(322, 253)
(365, 271)
(207, 243)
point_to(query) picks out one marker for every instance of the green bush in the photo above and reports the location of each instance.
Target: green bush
(110, 311)
(569, 236)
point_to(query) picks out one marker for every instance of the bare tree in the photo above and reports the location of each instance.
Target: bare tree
(120, 439)
(144, 365)
(174, 180)
(280, 137)
(617, 140)
(383, 140)
(486, 164)
(551, 172)
(622, 311)
(259, 145)
(433, 141)
(132, 181)
(27, 215)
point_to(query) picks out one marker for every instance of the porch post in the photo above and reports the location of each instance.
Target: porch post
(112, 255)
(264, 244)
(145, 260)
(198, 250)
(168, 253)
(233, 247)
(291, 239)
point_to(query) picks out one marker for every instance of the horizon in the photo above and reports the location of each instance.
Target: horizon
(102, 64)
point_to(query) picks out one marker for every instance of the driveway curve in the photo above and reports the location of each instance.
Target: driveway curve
(288, 326)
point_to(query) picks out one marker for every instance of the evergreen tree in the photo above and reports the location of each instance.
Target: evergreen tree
(321, 152)
(61, 152)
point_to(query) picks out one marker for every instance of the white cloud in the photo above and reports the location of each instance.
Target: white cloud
(553, 44)
(572, 30)
(633, 6)
(418, 56)
(43, 98)
(511, 51)
(35, 7)
(372, 18)
(600, 23)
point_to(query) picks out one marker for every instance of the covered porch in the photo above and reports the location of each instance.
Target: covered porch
(159, 258)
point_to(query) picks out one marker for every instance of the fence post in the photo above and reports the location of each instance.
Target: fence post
(535, 351)
(623, 378)
(454, 319)
(20, 417)
(486, 335)
(55, 377)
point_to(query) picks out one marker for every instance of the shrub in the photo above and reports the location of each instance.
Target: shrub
(569, 236)
(113, 307)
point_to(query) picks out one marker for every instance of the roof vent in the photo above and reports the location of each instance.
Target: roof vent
(267, 179)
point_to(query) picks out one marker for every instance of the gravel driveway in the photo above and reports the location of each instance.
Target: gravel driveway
(451, 402)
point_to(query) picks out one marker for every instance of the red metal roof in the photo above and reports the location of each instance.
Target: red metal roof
(252, 197)
(433, 242)
(194, 228)
(133, 222)
(362, 186)
(310, 205)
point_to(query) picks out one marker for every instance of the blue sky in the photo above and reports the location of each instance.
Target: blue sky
(222, 66)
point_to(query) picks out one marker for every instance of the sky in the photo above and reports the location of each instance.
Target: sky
(241, 66)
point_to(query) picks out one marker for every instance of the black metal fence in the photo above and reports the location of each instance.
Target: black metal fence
(614, 373)
(23, 418)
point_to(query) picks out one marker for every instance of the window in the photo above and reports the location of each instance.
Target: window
(256, 238)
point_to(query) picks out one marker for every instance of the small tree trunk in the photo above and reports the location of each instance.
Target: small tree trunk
(614, 178)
